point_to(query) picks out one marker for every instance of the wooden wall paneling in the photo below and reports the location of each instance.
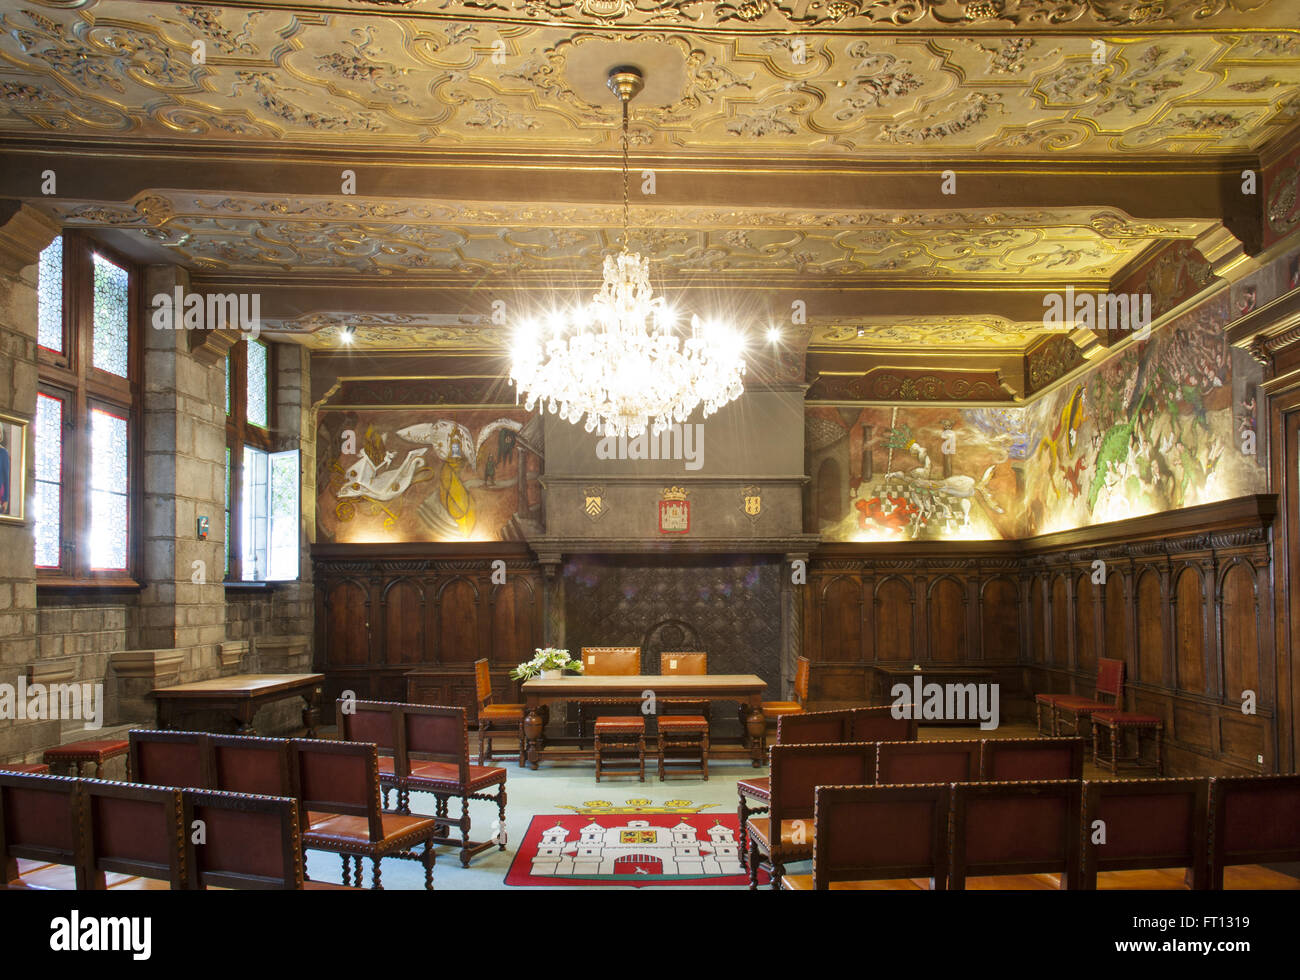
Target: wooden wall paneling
(459, 637)
(1086, 609)
(947, 625)
(1152, 655)
(1189, 629)
(1060, 652)
(1000, 626)
(1116, 614)
(1038, 618)
(402, 604)
(895, 617)
(842, 619)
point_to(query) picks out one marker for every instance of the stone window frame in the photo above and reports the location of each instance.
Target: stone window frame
(72, 377)
(240, 433)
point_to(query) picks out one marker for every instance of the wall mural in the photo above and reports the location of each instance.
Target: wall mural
(911, 472)
(421, 475)
(1160, 426)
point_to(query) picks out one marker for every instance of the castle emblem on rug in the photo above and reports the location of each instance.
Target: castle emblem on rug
(674, 511)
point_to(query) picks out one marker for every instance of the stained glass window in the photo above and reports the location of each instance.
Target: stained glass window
(47, 441)
(112, 315)
(227, 385)
(49, 297)
(257, 384)
(108, 490)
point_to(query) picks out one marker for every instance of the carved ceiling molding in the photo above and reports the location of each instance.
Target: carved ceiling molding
(257, 236)
(375, 78)
(907, 385)
(972, 331)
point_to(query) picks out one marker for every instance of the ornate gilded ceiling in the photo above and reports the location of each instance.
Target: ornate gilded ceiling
(126, 70)
(797, 150)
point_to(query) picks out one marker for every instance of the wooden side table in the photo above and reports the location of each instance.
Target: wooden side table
(1116, 724)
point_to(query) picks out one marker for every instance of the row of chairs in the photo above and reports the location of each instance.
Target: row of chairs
(875, 724)
(91, 834)
(425, 749)
(952, 833)
(336, 785)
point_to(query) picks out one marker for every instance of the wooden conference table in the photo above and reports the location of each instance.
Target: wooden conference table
(745, 688)
(239, 696)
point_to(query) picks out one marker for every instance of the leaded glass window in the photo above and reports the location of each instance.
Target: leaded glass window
(228, 381)
(47, 442)
(49, 297)
(256, 407)
(108, 490)
(112, 294)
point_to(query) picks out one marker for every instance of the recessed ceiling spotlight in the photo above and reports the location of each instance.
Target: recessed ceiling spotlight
(862, 331)
(349, 331)
(774, 335)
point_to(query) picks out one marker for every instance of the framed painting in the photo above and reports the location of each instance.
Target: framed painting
(13, 469)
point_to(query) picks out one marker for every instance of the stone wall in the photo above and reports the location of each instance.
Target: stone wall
(183, 624)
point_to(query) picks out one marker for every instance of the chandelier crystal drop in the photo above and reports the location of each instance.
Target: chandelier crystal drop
(620, 361)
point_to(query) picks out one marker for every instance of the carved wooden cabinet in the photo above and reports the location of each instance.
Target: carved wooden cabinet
(383, 611)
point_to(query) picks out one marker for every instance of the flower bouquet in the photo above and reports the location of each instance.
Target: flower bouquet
(548, 662)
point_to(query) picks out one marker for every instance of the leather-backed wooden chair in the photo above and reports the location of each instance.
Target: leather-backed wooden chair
(378, 722)
(1256, 819)
(339, 809)
(42, 821)
(936, 761)
(134, 829)
(1007, 759)
(687, 663)
(604, 662)
(866, 834)
(253, 764)
(1019, 829)
(775, 710)
(249, 842)
(497, 719)
(1149, 824)
(167, 758)
(435, 759)
(1109, 696)
(786, 833)
(809, 728)
(878, 724)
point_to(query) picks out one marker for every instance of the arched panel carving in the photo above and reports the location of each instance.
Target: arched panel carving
(1000, 620)
(1086, 598)
(894, 632)
(1058, 651)
(458, 627)
(516, 623)
(1240, 631)
(948, 633)
(841, 620)
(403, 615)
(1150, 628)
(347, 639)
(1189, 651)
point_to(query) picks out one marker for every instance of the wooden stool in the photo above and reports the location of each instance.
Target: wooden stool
(620, 737)
(1116, 724)
(75, 754)
(31, 768)
(684, 735)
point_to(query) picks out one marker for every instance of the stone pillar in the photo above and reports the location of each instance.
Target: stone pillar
(24, 232)
(792, 598)
(182, 604)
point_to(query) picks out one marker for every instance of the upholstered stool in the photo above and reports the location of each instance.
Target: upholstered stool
(31, 768)
(1115, 724)
(685, 739)
(617, 738)
(75, 754)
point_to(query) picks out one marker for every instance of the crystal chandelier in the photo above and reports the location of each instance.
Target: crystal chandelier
(619, 361)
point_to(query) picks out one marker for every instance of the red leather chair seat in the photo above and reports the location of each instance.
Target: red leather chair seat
(683, 724)
(34, 768)
(502, 712)
(446, 774)
(92, 750)
(613, 725)
(759, 788)
(344, 829)
(782, 708)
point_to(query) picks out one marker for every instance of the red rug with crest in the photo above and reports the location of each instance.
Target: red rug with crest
(638, 843)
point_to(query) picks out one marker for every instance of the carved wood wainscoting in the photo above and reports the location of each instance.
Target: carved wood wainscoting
(933, 603)
(385, 610)
(1187, 602)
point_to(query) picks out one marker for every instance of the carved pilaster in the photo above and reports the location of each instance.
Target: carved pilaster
(791, 624)
(552, 601)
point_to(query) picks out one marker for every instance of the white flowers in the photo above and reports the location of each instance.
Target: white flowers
(546, 658)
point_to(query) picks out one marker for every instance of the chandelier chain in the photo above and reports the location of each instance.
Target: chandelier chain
(627, 210)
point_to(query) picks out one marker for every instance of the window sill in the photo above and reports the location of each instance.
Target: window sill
(236, 585)
(105, 584)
